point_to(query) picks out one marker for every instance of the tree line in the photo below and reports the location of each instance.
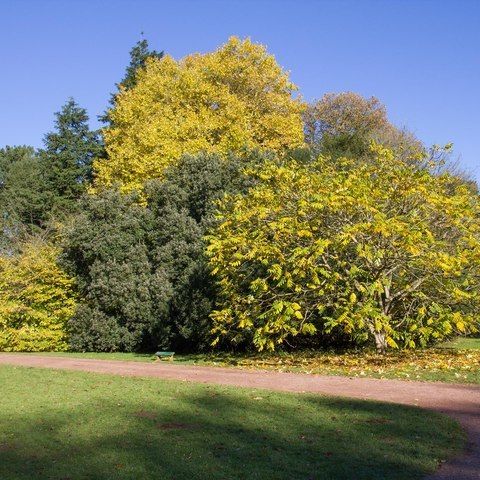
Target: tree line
(215, 208)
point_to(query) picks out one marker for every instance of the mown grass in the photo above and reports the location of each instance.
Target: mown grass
(127, 357)
(69, 425)
(463, 343)
(457, 361)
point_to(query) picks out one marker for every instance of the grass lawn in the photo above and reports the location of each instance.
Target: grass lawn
(457, 361)
(58, 425)
(127, 357)
(463, 343)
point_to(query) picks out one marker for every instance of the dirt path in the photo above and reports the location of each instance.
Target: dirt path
(461, 402)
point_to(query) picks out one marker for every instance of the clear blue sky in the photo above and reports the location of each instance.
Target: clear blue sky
(421, 58)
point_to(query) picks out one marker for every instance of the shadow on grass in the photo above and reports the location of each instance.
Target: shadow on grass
(215, 433)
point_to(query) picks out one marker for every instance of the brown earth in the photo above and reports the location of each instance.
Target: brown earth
(461, 402)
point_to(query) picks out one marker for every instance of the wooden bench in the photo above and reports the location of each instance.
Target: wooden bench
(162, 355)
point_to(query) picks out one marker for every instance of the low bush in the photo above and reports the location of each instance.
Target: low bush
(36, 300)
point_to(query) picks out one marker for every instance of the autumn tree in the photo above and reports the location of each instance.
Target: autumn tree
(36, 300)
(234, 98)
(344, 114)
(383, 251)
(345, 123)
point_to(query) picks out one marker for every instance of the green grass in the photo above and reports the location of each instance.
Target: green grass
(68, 425)
(463, 343)
(129, 357)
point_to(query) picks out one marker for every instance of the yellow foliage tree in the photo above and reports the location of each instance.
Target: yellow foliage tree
(382, 251)
(233, 98)
(36, 300)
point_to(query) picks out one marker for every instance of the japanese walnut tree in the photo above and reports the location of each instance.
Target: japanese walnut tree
(383, 251)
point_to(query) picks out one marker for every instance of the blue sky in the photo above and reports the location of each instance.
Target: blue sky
(421, 58)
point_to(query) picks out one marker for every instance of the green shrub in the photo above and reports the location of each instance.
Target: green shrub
(142, 272)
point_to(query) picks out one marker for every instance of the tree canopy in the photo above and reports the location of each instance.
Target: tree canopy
(139, 54)
(234, 98)
(217, 208)
(22, 193)
(142, 271)
(344, 124)
(66, 159)
(384, 251)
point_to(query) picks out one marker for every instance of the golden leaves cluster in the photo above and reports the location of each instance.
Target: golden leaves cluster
(376, 250)
(36, 300)
(234, 98)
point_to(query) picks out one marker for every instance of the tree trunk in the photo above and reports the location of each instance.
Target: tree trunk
(380, 342)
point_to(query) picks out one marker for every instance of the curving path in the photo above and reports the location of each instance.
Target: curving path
(462, 402)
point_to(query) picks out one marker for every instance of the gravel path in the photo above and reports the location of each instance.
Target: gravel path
(462, 402)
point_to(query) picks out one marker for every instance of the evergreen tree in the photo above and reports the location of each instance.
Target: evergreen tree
(138, 56)
(66, 160)
(22, 194)
(121, 292)
(141, 271)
